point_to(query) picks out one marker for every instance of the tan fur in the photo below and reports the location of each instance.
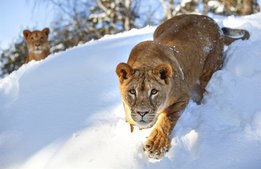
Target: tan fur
(160, 75)
(37, 44)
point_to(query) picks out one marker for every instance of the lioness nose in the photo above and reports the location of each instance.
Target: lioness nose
(37, 44)
(142, 113)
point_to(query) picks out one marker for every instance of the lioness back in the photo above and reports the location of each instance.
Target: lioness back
(190, 39)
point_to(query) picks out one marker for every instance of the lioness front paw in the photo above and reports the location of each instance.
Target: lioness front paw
(157, 144)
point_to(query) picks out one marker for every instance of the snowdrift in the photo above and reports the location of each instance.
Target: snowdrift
(65, 112)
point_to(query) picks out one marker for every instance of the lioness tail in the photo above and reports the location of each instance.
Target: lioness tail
(231, 35)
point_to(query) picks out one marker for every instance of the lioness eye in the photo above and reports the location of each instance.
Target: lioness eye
(154, 91)
(132, 91)
(42, 38)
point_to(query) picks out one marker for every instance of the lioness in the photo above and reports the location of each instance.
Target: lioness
(37, 44)
(161, 75)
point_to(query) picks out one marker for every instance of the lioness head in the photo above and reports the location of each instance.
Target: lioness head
(144, 92)
(37, 41)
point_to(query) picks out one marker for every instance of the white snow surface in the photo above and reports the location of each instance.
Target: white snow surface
(65, 112)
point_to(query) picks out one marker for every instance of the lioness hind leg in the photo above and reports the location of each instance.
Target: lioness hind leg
(213, 63)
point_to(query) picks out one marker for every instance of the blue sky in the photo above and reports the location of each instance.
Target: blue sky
(17, 15)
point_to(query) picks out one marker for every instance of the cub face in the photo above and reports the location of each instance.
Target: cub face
(37, 41)
(144, 92)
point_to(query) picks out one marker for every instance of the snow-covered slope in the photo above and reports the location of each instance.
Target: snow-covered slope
(65, 112)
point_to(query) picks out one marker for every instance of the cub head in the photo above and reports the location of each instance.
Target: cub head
(144, 92)
(37, 41)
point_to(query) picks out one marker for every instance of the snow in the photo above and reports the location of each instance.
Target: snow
(66, 112)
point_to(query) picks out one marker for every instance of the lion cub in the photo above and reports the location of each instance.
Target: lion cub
(160, 76)
(37, 44)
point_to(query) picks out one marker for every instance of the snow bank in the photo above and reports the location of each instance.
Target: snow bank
(65, 112)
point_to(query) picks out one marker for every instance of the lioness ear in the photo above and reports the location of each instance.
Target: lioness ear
(46, 31)
(26, 33)
(124, 71)
(164, 71)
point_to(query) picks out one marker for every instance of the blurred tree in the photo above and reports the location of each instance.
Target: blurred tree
(235, 7)
(187, 7)
(168, 8)
(79, 21)
(205, 11)
(113, 16)
(223, 7)
(13, 57)
(247, 7)
(82, 20)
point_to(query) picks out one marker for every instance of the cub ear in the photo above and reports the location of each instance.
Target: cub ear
(26, 33)
(46, 31)
(124, 71)
(164, 71)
